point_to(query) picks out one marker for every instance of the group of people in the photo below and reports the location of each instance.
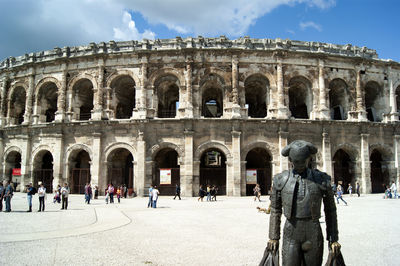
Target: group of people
(118, 191)
(153, 196)
(391, 192)
(60, 196)
(210, 191)
(6, 193)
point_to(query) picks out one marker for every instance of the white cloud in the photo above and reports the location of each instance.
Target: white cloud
(310, 24)
(128, 31)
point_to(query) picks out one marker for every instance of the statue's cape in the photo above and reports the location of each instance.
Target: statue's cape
(269, 258)
(335, 260)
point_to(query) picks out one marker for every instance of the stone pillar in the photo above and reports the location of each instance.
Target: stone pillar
(394, 115)
(1, 156)
(283, 142)
(243, 181)
(397, 159)
(189, 90)
(140, 177)
(187, 173)
(362, 114)
(196, 177)
(235, 87)
(28, 102)
(142, 109)
(96, 168)
(234, 183)
(365, 165)
(3, 102)
(58, 157)
(60, 114)
(282, 109)
(97, 112)
(109, 112)
(324, 112)
(26, 148)
(326, 154)
(70, 112)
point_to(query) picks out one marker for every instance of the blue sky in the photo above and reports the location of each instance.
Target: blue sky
(31, 26)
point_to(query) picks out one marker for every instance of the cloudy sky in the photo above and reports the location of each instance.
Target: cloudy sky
(35, 25)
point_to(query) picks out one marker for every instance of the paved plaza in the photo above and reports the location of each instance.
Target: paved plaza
(186, 232)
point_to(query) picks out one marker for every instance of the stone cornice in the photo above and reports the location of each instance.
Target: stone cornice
(190, 44)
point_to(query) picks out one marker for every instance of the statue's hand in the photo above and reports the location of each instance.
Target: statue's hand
(273, 245)
(335, 247)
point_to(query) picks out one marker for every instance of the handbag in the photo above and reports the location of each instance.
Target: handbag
(270, 258)
(335, 260)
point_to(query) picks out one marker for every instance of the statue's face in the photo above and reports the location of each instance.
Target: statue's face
(300, 159)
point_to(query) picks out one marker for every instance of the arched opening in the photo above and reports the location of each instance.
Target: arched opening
(120, 168)
(256, 94)
(166, 171)
(338, 99)
(79, 166)
(213, 170)
(379, 172)
(124, 91)
(374, 101)
(300, 98)
(13, 168)
(212, 104)
(17, 106)
(43, 170)
(167, 89)
(47, 102)
(258, 170)
(397, 95)
(83, 99)
(343, 169)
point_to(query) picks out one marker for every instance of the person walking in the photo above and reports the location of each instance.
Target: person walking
(30, 191)
(119, 194)
(208, 193)
(257, 192)
(155, 194)
(350, 190)
(125, 189)
(393, 189)
(1, 195)
(150, 204)
(96, 192)
(111, 193)
(177, 191)
(8, 193)
(64, 196)
(202, 192)
(42, 196)
(214, 191)
(88, 193)
(340, 194)
(358, 189)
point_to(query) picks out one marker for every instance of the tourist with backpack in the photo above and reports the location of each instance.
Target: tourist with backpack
(30, 191)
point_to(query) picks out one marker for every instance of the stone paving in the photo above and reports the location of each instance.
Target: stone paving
(187, 232)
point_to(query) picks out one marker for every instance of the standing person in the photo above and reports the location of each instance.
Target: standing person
(64, 196)
(350, 189)
(96, 192)
(88, 193)
(125, 191)
(107, 195)
(42, 196)
(340, 194)
(1, 196)
(208, 193)
(358, 189)
(177, 191)
(201, 193)
(8, 195)
(393, 188)
(30, 191)
(119, 194)
(155, 194)
(150, 197)
(111, 193)
(214, 192)
(257, 192)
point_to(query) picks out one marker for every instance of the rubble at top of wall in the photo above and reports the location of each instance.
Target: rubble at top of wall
(243, 43)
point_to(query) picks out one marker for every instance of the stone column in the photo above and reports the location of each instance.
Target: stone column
(189, 90)
(140, 178)
(235, 89)
(70, 112)
(97, 112)
(282, 109)
(58, 157)
(324, 112)
(109, 112)
(283, 142)
(29, 96)
(3, 103)
(60, 114)
(365, 165)
(196, 177)
(243, 181)
(1, 156)
(326, 154)
(234, 183)
(142, 109)
(394, 115)
(187, 173)
(26, 148)
(96, 168)
(362, 114)
(397, 159)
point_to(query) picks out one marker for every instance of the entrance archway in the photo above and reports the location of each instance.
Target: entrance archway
(379, 175)
(79, 171)
(43, 170)
(258, 161)
(213, 170)
(13, 161)
(343, 169)
(120, 168)
(166, 171)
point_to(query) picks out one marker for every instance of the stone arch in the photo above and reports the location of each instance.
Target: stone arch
(122, 94)
(257, 90)
(212, 96)
(259, 144)
(375, 103)
(46, 91)
(82, 103)
(81, 76)
(166, 72)
(396, 88)
(350, 149)
(270, 76)
(167, 88)
(16, 106)
(381, 165)
(10, 149)
(300, 97)
(208, 145)
(16, 85)
(43, 166)
(123, 72)
(384, 149)
(118, 145)
(44, 81)
(339, 99)
(39, 149)
(165, 145)
(75, 149)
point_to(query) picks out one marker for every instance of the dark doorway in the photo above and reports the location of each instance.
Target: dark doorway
(44, 171)
(259, 159)
(213, 170)
(13, 160)
(166, 161)
(379, 177)
(342, 169)
(80, 172)
(212, 103)
(120, 168)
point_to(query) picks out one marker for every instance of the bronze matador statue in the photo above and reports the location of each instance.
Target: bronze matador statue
(299, 192)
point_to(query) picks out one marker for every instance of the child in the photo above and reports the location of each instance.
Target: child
(57, 197)
(107, 195)
(119, 194)
(350, 189)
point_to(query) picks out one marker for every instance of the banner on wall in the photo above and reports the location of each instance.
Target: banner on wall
(165, 176)
(16, 171)
(251, 176)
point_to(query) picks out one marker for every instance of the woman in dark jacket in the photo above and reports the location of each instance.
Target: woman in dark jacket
(202, 193)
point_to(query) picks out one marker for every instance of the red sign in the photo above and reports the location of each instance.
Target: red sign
(16, 171)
